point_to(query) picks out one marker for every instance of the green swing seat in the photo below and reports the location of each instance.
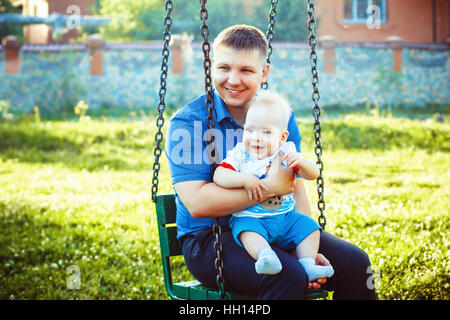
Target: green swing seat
(170, 247)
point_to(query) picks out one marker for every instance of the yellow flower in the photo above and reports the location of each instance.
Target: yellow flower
(37, 113)
(81, 108)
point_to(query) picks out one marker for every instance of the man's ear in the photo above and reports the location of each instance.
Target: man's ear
(284, 136)
(265, 73)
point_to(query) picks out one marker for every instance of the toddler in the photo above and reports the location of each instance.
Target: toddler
(263, 149)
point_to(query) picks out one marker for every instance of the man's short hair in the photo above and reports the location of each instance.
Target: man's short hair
(242, 37)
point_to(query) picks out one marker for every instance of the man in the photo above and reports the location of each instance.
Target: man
(239, 68)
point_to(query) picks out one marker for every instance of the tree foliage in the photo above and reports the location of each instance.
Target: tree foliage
(7, 7)
(132, 20)
(138, 20)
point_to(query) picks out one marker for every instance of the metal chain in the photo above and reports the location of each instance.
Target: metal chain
(213, 155)
(206, 48)
(316, 111)
(162, 97)
(270, 35)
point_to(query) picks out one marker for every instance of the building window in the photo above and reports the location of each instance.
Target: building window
(358, 11)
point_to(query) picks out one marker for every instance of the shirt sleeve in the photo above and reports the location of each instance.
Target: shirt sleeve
(289, 146)
(294, 132)
(234, 158)
(184, 151)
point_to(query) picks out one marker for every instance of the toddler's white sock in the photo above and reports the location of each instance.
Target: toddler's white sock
(315, 271)
(268, 262)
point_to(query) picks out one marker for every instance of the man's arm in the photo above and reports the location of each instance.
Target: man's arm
(208, 200)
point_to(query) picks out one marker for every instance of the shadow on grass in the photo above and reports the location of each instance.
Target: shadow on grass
(37, 246)
(75, 148)
(353, 135)
(129, 145)
(31, 246)
(31, 137)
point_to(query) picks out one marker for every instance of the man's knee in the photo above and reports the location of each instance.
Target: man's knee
(356, 260)
(289, 284)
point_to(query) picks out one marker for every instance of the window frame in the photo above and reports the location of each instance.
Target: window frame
(355, 20)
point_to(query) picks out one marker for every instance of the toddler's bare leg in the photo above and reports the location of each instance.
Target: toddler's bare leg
(253, 242)
(309, 247)
(306, 253)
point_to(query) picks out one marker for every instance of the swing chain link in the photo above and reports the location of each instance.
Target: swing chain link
(206, 48)
(213, 155)
(218, 262)
(316, 111)
(162, 96)
(270, 35)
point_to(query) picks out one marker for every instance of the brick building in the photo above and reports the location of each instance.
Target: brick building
(346, 20)
(424, 21)
(41, 34)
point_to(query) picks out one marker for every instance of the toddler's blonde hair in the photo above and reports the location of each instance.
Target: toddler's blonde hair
(276, 104)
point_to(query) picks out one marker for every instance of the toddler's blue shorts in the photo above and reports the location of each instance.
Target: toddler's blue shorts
(285, 230)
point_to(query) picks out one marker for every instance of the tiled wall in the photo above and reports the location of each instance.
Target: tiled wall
(56, 79)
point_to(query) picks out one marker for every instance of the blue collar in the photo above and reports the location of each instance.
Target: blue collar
(221, 110)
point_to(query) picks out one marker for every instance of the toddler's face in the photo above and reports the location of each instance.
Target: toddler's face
(262, 134)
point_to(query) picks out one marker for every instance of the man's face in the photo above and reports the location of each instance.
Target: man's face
(238, 75)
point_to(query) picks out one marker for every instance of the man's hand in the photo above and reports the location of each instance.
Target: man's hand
(281, 183)
(320, 260)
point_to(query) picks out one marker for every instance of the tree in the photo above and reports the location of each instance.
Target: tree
(291, 21)
(132, 20)
(292, 18)
(7, 7)
(137, 20)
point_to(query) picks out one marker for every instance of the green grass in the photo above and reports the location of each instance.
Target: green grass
(78, 194)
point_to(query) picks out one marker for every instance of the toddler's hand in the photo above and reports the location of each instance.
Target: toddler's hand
(294, 160)
(254, 187)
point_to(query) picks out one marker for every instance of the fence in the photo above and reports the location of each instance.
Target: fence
(57, 76)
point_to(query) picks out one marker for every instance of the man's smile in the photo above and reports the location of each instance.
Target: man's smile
(234, 91)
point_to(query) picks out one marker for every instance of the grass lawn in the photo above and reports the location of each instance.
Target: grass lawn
(78, 194)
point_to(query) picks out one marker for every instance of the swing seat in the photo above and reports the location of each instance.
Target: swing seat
(170, 247)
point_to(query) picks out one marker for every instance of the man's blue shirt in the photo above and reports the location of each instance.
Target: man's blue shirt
(187, 147)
